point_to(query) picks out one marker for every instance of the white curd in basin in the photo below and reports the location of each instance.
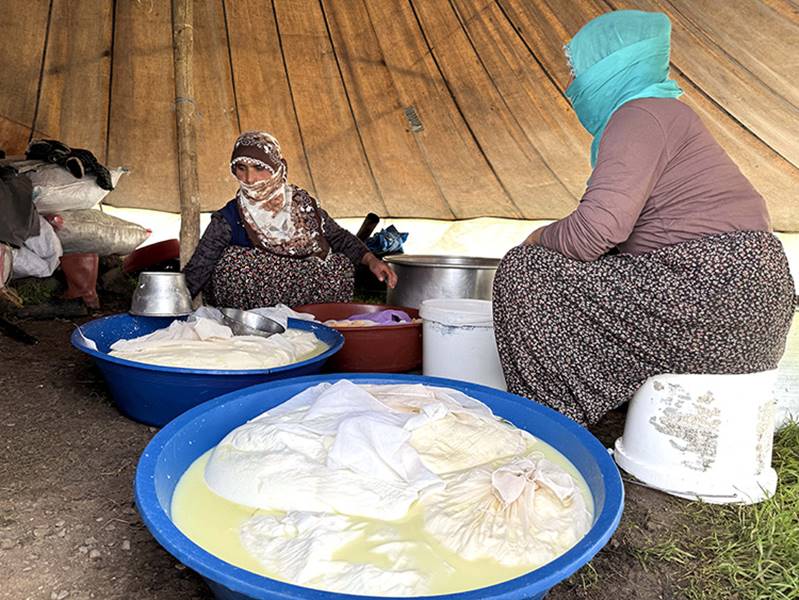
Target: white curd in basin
(238, 353)
(468, 524)
(205, 344)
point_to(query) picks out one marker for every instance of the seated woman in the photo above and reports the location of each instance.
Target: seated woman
(666, 266)
(273, 243)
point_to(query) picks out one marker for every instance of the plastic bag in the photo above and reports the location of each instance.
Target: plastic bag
(99, 233)
(55, 189)
(40, 254)
(386, 241)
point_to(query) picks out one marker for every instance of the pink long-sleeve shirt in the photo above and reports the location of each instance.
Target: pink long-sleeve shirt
(660, 179)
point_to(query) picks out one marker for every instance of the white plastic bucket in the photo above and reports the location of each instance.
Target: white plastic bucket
(702, 437)
(458, 341)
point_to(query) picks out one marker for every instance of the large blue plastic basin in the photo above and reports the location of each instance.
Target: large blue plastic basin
(177, 445)
(154, 394)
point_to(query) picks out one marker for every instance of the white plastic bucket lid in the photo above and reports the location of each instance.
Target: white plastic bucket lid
(458, 311)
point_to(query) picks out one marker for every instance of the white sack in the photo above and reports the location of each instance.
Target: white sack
(39, 256)
(88, 230)
(55, 189)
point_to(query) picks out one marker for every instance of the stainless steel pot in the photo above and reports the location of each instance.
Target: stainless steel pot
(422, 277)
(161, 295)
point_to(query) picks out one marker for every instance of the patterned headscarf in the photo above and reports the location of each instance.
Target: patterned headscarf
(278, 223)
(615, 58)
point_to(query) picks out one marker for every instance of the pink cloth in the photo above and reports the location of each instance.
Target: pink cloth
(660, 179)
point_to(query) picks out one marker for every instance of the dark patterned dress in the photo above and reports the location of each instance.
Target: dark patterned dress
(581, 337)
(232, 272)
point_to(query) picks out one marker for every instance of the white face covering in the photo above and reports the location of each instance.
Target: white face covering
(281, 223)
(265, 204)
(272, 216)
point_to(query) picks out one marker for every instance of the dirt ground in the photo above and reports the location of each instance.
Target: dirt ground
(69, 529)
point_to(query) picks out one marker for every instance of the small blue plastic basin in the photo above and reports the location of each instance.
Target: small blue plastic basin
(177, 445)
(154, 394)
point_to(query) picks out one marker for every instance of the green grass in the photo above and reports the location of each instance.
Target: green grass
(670, 551)
(35, 290)
(751, 551)
(584, 579)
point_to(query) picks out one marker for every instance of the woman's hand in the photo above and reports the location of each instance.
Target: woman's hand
(380, 269)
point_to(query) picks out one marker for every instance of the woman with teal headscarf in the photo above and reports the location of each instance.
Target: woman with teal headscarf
(667, 265)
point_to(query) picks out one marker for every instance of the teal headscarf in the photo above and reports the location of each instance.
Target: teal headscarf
(615, 58)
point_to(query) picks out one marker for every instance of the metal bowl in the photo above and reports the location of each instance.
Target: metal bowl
(242, 322)
(161, 295)
(423, 277)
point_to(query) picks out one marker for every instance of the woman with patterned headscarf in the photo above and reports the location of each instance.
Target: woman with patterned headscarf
(667, 265)
(273, 243)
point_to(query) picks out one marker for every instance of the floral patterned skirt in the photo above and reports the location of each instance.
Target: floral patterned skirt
(581, 337)
(248, 278)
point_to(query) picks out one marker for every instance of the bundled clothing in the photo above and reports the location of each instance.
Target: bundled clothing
(666, 266)
(273, 243)
(77, 161)
(20, 218)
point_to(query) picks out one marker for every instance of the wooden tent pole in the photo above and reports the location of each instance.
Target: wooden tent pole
(183, 49)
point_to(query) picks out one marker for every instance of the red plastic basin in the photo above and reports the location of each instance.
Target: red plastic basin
(147, 256)
(371, 349)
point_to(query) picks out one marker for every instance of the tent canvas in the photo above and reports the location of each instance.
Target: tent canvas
(421, 109)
